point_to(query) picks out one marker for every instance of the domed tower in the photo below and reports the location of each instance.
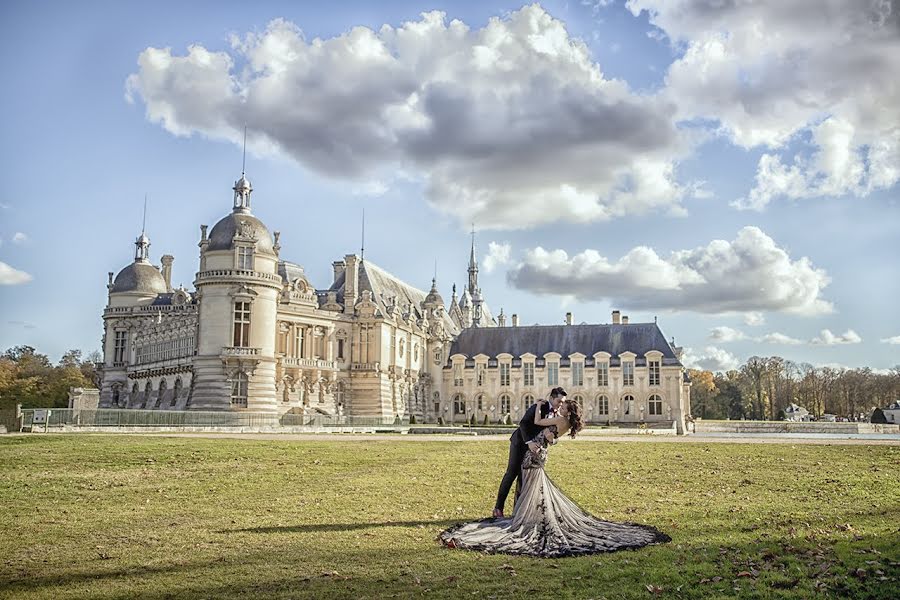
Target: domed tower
(138, 284)
(238, 285)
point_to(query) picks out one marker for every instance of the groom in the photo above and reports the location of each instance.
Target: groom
(518, 445)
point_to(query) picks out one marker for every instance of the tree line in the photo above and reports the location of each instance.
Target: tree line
(763, 387)
(27, 377)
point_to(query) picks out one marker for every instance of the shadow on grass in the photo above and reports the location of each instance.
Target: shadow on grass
(317, 527)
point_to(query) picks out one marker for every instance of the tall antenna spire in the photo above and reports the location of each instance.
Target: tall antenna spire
(362, 247)
(144, 221)
(244, 160)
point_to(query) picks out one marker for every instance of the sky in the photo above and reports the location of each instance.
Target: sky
(729, 170)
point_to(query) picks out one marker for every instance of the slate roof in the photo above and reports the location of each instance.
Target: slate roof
(139, 277)
(639, 338)
(290, 271)
(221, 237)
(385, 286)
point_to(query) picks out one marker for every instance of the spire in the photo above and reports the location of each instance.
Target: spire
(362, 245)
(142, 243)
(244, 159)
(473, 266)
(242, 188)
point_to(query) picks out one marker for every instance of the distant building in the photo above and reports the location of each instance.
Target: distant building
(254, 334)
(794, 412)
(892, 412)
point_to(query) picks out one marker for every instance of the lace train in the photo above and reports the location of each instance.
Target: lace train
(545, 522)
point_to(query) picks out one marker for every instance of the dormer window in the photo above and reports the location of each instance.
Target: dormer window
(245, 258)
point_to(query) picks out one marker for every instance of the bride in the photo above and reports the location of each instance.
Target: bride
(544, 521)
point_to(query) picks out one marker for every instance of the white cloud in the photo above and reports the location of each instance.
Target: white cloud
(750, 273)
(779, 338)
(511, 125)
(12, 276)
(891, 340)
(711, 359)
(772, 72)
(826, 338)
(498, 254)
(726, 334)
(19, 238)
(754, 319)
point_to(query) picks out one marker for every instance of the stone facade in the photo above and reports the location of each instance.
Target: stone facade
(255, 335)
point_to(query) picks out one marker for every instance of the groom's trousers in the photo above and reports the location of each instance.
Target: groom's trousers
(517, 449)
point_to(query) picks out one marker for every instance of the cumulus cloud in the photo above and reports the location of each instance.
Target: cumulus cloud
(749, 273)
(19, 238)
(754, 319)
(511, 125)
(891, 340)
(12, 276)
(771, 72)
(826, 338)
(498, 254)
(710, 359)
(23, 324)
(724, 335)
(780, 338)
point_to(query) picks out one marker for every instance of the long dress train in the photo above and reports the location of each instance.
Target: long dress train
(545, 522)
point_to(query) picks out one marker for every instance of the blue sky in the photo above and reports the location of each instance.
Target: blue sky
(602, 149)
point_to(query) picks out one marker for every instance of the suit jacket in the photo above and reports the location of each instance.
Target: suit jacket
(527, 429)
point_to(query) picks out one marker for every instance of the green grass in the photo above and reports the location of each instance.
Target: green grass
(120, 517)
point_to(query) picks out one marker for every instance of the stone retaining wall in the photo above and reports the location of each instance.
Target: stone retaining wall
(763, 427)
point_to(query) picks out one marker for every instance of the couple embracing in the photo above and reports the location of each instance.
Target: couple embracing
(544, 521)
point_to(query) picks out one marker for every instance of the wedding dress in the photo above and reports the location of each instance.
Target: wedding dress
(545, 522)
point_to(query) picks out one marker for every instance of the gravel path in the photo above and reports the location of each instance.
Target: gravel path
(824, 439)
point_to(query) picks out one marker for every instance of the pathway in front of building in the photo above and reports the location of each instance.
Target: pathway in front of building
(717, 438)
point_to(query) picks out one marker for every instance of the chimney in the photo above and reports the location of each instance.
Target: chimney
(515, 320)
(339, 267)
(501, 319)
(568, 318)
(167, 260)
(351, 283)
(616, 317)
(625, 320)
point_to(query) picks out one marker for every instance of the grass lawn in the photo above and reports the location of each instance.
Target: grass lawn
(101, 516)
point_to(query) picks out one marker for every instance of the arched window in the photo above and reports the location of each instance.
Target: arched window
(148, 390)
(437, 402)
(479, 402)
(655, 405)
(176, 391)
(161, 395)
(115, 395)
(239, 390)
(579, 399)
(528, 400)
(504, 403)
(459, 404)
(628, 402)
(134, 395)
(602, 405)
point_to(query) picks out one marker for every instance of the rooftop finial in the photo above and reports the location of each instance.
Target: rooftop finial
(362, 247)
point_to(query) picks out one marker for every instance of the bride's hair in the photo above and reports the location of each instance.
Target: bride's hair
(575, 417)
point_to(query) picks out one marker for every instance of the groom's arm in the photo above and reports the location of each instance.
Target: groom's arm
(527, 420)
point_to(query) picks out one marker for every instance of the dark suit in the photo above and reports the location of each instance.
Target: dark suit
(518, 446)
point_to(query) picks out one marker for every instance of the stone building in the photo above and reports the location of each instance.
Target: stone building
(254, 334)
